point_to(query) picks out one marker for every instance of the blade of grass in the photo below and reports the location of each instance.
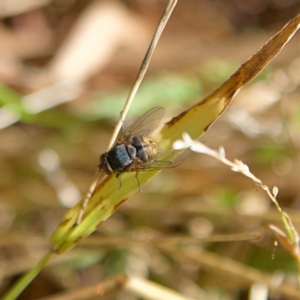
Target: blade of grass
(26, 279)
(195, 121)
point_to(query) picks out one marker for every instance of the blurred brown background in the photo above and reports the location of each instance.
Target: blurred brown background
(66, 68)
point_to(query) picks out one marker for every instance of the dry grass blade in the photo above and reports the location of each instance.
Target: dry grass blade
(199, 118)
(163, 22)
(194, 121)
(127, 241)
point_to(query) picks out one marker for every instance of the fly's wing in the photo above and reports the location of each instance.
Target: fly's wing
(163, 160)
(145, 124)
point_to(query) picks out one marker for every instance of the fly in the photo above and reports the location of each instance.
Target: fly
(135, 151)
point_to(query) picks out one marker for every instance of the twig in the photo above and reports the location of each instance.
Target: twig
(145, 63)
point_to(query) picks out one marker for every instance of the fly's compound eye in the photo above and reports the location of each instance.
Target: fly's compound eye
(104, 165)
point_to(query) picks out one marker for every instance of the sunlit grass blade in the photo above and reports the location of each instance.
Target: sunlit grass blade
(25, 280)
(194, 121)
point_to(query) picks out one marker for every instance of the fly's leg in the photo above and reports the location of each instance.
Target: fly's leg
(138, 181)
(118, 177)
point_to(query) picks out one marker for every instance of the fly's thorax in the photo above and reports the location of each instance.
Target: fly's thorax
(119, 157)
(131, 150)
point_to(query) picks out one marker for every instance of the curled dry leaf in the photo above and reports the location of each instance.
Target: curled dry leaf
(195, 121)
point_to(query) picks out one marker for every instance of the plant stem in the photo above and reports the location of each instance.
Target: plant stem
(24, 281)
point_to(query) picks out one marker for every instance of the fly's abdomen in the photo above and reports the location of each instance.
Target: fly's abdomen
(146, 148)
(149, 148)
(141, 151)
